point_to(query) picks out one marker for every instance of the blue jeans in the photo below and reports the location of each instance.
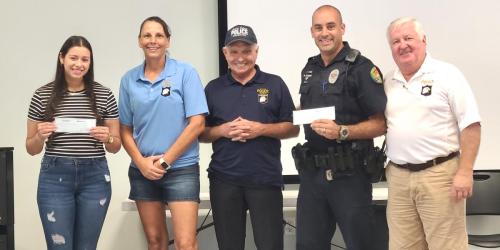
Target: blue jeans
(73, 197)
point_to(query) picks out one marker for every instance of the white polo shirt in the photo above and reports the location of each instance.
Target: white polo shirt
(426, 114)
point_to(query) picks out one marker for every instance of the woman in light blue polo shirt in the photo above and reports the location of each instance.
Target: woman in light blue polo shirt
(162, 111)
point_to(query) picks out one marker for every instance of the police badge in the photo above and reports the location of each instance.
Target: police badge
(334, 75)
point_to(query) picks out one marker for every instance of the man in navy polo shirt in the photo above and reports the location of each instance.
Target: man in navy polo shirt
(250, 111)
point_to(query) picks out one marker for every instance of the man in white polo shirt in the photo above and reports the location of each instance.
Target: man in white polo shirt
(433, 136)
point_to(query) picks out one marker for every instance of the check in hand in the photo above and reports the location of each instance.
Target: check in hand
(101, 133)
(45, 129)
(326, 128)
(74, 125)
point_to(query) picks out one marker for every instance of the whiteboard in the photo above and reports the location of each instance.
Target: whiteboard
(458, 32)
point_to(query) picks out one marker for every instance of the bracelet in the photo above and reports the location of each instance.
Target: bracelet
(110, 140)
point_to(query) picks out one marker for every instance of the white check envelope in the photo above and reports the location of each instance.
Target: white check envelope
(307, 116)
(74, 125)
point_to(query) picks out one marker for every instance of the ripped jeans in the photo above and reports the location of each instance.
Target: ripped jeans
(73, 197)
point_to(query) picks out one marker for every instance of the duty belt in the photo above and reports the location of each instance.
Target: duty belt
(428, 164)
(334, 162)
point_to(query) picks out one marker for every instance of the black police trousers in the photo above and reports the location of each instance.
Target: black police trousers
(322, 204)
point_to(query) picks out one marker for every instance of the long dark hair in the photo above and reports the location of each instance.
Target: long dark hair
(60, 84)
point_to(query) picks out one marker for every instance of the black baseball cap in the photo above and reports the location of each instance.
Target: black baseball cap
(240, 33)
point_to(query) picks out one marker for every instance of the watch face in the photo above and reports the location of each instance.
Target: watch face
(165, 165)
(344, 132)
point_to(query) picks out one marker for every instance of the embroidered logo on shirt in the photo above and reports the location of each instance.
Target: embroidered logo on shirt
(427, 82)
(263, 95)
(165, 91)
(165, 88)
(334, 75)
(426, 90)
(426, 87)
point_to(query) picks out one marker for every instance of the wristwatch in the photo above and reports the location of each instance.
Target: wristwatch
(164, 164)
(111, 139)
(343, 133)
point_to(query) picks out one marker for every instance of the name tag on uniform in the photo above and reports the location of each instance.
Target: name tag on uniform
(307, 116)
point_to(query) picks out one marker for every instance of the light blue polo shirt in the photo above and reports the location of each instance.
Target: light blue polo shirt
(158, 111)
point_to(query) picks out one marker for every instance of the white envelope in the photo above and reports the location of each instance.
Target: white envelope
(307, 116)
(74, 125)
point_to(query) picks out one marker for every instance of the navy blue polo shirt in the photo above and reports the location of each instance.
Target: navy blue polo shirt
(266, 99)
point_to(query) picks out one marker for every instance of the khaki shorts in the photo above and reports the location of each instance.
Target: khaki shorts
(421, 214)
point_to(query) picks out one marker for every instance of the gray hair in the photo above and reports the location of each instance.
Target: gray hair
(403, 20)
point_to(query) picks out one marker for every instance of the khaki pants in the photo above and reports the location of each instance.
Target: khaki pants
(421, 214)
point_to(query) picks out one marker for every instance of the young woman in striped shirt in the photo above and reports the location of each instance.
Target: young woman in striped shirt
(74, 186)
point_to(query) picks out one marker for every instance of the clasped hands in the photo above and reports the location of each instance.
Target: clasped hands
(241, 129)
(150, 167)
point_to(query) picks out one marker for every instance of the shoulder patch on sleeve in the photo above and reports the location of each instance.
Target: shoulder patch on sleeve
(376, 75)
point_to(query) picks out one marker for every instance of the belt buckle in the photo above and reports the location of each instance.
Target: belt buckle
(434, 162)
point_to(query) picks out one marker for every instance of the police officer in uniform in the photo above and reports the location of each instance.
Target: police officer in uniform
(334, 185)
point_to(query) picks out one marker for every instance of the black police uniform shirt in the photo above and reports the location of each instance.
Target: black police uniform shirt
(354, 88)
(266, 99)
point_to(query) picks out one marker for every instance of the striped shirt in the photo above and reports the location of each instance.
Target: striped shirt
(74, 105)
